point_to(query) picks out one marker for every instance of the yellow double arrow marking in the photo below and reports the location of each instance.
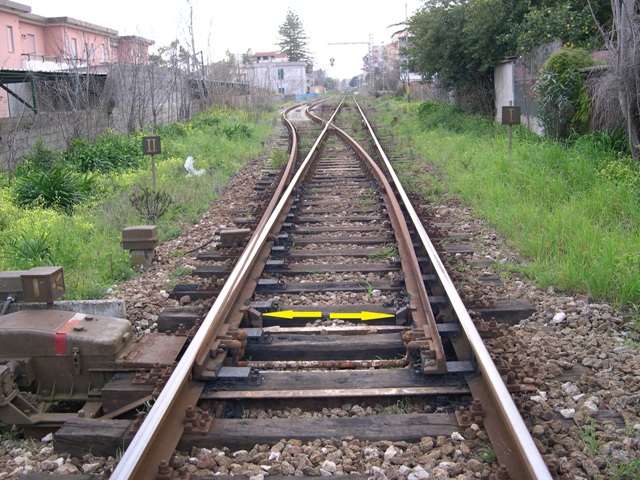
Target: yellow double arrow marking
(290, 314)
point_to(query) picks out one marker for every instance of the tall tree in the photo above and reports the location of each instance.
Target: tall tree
(293, 40)
(458, 43)
(626, 45)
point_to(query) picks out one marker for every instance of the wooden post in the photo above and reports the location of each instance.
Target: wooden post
(510, 117)
(151, 146)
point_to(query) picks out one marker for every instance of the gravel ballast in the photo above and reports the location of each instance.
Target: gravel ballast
(583, 414)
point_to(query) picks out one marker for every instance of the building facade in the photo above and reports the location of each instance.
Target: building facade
(272, 72)
(31, 44)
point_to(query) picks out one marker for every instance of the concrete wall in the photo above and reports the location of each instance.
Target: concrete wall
(504, 87)
(512, 83)
(130, 99)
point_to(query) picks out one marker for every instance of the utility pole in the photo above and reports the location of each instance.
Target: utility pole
(358, 43)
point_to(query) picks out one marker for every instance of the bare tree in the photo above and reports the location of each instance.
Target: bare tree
(72, 98)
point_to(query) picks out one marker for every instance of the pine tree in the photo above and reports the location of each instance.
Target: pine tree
(293, 40)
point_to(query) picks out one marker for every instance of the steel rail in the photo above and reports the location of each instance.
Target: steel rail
(420, 306)
(528, 457)
(146, 451)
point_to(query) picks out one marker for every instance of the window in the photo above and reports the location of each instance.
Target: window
(281, 74)
(74, 48)
(10, 38)
(31, 43)
(103, 53)
(281, 90)
(89, 52)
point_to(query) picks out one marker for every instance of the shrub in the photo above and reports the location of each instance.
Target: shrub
(622, 171)
(616, 140)
(561, 92)
(106, 154)
(40, 158)
(59, 188)
(206, 119)
(174, 130)
(235, 131)
(150, 204)
(30, 250)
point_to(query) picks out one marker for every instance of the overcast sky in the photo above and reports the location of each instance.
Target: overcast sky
(237, 25)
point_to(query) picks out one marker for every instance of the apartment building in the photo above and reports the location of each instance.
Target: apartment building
(273, 72)
(34, 45)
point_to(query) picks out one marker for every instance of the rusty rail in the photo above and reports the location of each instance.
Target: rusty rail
(159, 434)
(526, 461)
(432, 351)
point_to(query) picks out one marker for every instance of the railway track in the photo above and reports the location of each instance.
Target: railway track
(330, 231)
(329, 293)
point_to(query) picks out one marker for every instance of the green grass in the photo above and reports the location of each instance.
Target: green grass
(573, 218)
(589, 437)
(87, 243)
(388, 253)
(487, 454)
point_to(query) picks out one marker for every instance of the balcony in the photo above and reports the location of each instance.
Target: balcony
(36, 62)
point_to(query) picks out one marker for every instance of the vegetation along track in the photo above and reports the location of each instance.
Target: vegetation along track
(335, 294)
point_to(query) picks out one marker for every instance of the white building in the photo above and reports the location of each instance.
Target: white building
(272, 72)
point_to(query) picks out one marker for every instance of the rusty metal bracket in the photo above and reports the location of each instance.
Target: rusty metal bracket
(474, 414)
(196, 420)
(143, 377)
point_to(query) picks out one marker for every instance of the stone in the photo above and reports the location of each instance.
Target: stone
(91, 467)
(559, 318)
(391, 452)
(419, 473)
(379, 473)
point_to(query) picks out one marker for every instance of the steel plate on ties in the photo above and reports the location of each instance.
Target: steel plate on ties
(153, 349)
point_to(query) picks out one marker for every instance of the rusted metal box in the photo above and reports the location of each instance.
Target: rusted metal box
(234, 236)
(10, 281)
(43, 284)
(140, 237)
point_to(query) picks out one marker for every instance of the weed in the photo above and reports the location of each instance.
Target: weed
(626, 471)
(180, 272)
(279, 159)
(461, 267)
(6, 432)
(388, 253)
(589, 437)
(403, 405)
(366, 202)
(487, 454)
(177, 252)
(151, 205)
(144, 409)
(40, 158)
(87, 243)
(368, 288)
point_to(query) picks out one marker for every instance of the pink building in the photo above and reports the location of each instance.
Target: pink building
(30, 43)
